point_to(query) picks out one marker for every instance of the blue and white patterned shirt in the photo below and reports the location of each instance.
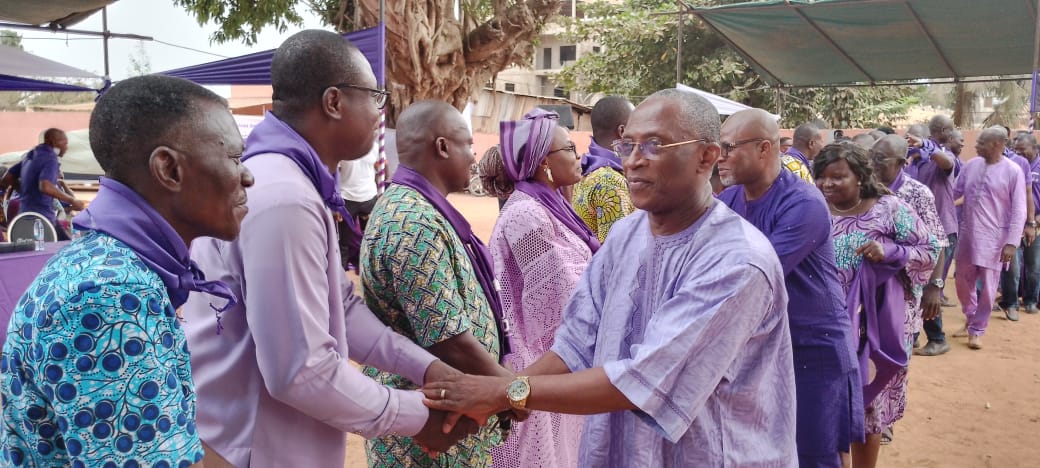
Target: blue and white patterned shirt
(95, 369)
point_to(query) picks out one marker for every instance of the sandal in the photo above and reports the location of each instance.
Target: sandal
(887, 435)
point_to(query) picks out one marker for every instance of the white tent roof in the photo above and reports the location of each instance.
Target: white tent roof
(723, 105)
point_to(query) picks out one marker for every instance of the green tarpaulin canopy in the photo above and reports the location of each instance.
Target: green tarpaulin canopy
(827, 42)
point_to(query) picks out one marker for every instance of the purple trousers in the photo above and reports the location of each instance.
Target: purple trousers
(976, 303)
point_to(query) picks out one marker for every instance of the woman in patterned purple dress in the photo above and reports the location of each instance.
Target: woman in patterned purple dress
(538, 257)
(885, 255)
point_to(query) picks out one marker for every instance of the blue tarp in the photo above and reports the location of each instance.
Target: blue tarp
(14, 83)
(255, 68)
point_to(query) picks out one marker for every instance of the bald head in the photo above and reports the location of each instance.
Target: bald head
(940, 128)
(805, 133)
(420, 124)
(754, 123)
(751, 155)
(808, 140)
(918, 130)
(990, 143)
(891, 146)
(433, 140)
(992, 134)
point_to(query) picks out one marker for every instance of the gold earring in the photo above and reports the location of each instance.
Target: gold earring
(548, 174)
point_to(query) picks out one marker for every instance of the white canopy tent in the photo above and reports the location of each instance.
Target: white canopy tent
(723, 105)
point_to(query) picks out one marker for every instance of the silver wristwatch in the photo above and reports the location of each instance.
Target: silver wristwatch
(938, 282)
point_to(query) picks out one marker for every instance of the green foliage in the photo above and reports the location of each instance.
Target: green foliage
(10, 38)
(243, 20)
(639, 52)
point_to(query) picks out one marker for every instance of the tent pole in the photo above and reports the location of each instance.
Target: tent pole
(1036, 66)
(779, 96)
(678, 50)
(104, 30)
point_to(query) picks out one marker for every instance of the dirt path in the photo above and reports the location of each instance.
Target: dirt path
(947, 422)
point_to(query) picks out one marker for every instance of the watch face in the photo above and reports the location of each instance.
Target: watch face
(517, 390)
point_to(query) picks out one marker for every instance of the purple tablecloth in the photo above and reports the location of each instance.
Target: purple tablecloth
(17, 272)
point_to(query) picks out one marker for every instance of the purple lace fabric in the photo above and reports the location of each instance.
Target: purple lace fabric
(538, 261)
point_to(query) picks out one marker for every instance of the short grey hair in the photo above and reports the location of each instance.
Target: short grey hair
(698, 118)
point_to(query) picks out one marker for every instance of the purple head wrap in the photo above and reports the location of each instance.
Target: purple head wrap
(525, 144)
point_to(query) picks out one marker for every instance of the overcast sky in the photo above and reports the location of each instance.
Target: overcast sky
(159, 19)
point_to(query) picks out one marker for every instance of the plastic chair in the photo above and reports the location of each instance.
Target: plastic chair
(21, 228)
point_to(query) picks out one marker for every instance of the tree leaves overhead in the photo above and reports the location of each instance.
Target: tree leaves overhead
(243, 20)
(430, 53)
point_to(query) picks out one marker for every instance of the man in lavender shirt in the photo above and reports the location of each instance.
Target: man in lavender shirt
(676, 339)
(274, 382)
(994, 215)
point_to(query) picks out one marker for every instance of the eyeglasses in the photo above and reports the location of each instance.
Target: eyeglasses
(573, 149)
(651, 148)
(727, 147)
(378, 95)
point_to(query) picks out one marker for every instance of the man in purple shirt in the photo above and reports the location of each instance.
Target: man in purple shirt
(795, 218)
(994, 215)
(806, 144)
(273, 373)
(1010, 277)
(39, 179)
(1025, 145)
(676, 339)
(935, 166)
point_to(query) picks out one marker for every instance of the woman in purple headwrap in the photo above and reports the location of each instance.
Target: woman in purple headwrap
(539, 247)
(884, 254)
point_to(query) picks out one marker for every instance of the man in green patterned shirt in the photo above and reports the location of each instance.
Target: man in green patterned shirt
(428, 277)
(601, 196)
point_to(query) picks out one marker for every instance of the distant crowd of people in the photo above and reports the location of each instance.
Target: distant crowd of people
(707, 293)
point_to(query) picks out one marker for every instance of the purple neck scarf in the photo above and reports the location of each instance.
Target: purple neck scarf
(478, 254)
(877, 293)
(525, 144)
(598, 157)
(123, 214)
(898, 183)
(274, 136)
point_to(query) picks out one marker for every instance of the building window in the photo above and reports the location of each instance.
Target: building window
(596, 49)
(568, 53)
(547, 57)
(511, 87)
(565, 8)
(560, 92)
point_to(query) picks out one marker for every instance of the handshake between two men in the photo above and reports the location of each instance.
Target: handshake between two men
(478, 399)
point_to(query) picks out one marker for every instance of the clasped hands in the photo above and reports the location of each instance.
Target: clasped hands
(460, 404)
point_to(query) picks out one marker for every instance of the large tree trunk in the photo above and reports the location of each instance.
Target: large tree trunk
(431, 55)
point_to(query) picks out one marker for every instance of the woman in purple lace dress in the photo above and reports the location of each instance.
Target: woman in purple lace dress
(885, 255)
(540, 248)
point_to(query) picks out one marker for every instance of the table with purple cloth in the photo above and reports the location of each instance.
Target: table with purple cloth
(17, 272)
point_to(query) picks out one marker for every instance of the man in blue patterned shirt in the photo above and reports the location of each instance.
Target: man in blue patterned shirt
(95, 368)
